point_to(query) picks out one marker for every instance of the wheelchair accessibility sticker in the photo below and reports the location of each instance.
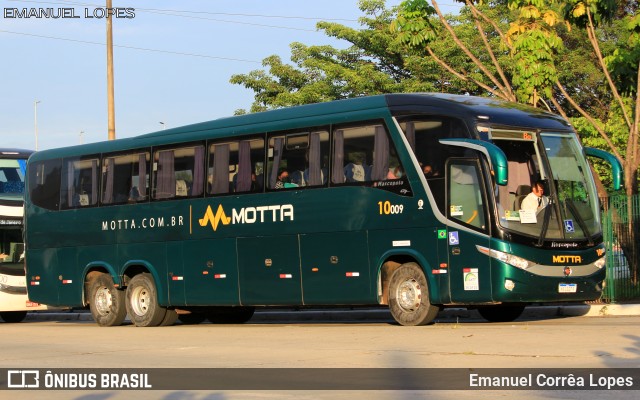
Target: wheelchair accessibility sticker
(568, 226)
(453, 238)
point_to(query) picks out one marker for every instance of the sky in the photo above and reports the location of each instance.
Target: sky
(172, 62)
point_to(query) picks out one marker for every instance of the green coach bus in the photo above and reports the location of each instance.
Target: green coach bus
(407, 200)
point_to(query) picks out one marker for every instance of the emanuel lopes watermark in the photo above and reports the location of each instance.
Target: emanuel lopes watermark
(68, 12)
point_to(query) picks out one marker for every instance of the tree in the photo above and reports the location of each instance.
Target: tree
(373, 64)
(579, 58)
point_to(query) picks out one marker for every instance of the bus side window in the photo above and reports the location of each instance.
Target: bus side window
(423, 134)
(364, 154)
(44, 183)
(79, 182)
(125, 178)
(236, 167)
(179, 172)
(303, 155)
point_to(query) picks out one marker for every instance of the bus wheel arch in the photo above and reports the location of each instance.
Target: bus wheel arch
(106, 301)
(391, 263)
(408, 296)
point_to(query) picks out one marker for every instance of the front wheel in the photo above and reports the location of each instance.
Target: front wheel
(13, 316)
(142, 302)
(409, 296)
(105, 301)
(501, 313)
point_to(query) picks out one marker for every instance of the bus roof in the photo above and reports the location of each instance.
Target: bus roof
(15, 153)
(488, 110)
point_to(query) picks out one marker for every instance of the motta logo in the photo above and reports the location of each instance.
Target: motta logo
(214, 219)
(567, 259)
(246, 215)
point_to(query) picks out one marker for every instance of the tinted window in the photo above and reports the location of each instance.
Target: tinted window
(364, 154)
(125, 178)
(80, 181)
(12, 173)
(44, 184)
(298, 159)
(178, 172)
(236, 166)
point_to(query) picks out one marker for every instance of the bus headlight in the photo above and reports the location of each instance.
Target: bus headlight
(510, 259)
(600, 263)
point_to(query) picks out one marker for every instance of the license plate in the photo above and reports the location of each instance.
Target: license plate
(568, 288)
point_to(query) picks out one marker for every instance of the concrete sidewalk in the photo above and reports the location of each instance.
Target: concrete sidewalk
(382, 314)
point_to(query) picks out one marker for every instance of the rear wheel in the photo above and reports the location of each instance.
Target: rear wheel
(105, 301)
(13, 317)
(170, 318)
(409, 296)
(501, 313)
(142, 302)
(231, 315)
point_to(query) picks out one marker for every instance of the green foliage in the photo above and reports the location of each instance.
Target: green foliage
(414, 25)
(536, 45)
(623, 62)
(615, 128)
(374, 63)
(535, 42)
(601, 11)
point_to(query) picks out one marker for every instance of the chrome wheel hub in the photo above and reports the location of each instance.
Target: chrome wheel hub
(409, 295)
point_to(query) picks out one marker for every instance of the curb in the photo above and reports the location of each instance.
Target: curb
(383, 314)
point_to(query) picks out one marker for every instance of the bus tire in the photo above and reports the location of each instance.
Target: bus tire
(501, 313)
(142, 302)
(409, 296)
(170, 318)
(105, 301)
(13, 317)
(231, 315)
(192, 319)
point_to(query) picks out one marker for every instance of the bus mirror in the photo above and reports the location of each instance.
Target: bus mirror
(616, 166)
(495, 155)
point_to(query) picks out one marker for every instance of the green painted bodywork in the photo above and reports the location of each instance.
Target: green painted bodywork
(313, 246)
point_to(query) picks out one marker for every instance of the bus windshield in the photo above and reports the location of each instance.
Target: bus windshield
(12, 172)
(548, 180)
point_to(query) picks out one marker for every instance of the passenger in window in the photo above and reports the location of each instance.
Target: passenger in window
(134, 195)
(428, 171)
(283, 178)
(356, 171)
(536, 200)
(395, 172)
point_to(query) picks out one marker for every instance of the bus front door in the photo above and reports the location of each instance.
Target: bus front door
(469, 271)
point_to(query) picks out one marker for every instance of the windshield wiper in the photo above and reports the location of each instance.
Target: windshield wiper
(578, 217)
(545, 222)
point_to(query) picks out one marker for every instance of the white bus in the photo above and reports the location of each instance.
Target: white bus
(14, 303)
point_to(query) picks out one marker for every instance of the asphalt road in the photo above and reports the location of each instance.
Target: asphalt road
(275, 341)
